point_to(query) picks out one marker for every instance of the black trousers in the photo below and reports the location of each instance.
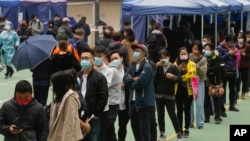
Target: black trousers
(170, 106)
(123, 119)
(231, 79)
(107, 124)
(136, 123)
(183, 103)
(41, 90)
(244, 74)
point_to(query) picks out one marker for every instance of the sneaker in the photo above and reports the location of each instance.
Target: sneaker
(233, 108)
(224, 114)
(206, 120)
(162, 137)
(218, 121)
(200, 127)
(186, 133)
(179, 137)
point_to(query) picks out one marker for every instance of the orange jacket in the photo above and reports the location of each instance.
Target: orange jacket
(69, 49)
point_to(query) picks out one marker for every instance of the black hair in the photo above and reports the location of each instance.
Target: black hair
(56, 15)
(208, 36)
(211, 46)
(116, 36)
(163, 52)
(229, 37)
(116, 51)
(130, 35)
(33, 16)
(166, 22)
(126, 23)
(100, 49)
(157, 26)
(23, 86)
(60, 84)
(199, 45)
(89, 50)
(72, 78)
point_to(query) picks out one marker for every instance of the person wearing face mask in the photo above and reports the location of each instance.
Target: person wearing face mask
(114, 81)
(139, 78)
(214, 78)
(116, 58)
(243, 65)
(9, 41)
(94, 90)
(229, 55)
(201, 70)
(167, 76)
(22, 117)
(24, 32)
(184, 94)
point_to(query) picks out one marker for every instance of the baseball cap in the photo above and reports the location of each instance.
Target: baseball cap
(140, 46)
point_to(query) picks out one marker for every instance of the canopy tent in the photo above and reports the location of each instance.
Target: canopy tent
(44, 9)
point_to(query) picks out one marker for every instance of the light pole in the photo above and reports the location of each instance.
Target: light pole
(97, 19)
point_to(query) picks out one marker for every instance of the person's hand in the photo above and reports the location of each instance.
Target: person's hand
(87, 127)
(136, 78)
(170, 75)
(13, 130)
(159, 64)
(122, 86)
(242, 52)
(232, 52)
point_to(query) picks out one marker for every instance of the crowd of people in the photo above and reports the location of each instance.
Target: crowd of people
(121, 78)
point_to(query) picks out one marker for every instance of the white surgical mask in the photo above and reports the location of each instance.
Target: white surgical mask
(183, 57)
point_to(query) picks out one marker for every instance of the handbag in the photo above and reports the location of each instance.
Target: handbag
(195, 86)
(216, 90)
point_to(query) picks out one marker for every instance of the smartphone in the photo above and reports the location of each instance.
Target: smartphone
(16, 128)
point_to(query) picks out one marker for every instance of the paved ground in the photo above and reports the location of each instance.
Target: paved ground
(211, 131)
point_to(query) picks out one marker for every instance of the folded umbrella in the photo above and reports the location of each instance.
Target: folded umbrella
(33, 51)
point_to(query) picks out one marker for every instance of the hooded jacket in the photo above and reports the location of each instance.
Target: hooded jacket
(31, 118)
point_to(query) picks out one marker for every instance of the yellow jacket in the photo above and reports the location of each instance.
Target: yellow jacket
(191, 71)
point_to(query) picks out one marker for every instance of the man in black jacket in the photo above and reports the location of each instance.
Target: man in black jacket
(22, 117)
(94, 90)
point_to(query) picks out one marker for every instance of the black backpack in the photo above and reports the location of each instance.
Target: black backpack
(155, 42)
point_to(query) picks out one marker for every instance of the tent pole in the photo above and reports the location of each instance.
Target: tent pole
(211, 18)
(229, 22)
(1, 11)
(148, 25)
(171, 22)
(241, 21)
(202, 27)
(215, 31)
(132, 22)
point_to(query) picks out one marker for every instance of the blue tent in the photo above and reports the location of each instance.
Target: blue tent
(9, 3)
(234, 5)
(152, 7)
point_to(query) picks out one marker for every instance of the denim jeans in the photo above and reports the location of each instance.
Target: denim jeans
(94, 134)
(199, 105)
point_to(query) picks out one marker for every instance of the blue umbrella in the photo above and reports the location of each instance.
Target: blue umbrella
(33, 51)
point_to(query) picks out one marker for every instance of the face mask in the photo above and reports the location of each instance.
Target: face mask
(165, 61)
(7, 27)
(98, 61)
(240, 40)
(183, 57)
(136, 55)
(117, 63)
(203, 43)
(85, 64)
(23, 102)
(207, 53)
(248, 39)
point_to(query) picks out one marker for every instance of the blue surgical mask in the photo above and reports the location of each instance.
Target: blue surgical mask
(98, 61)
(117, 63)
(207, 53)
(136, 55)
(85, 64)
